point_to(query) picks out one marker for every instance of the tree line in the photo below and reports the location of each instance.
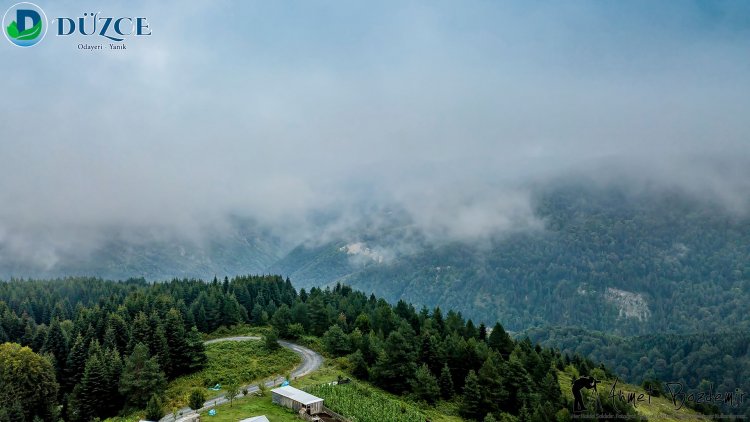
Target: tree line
(110, 347)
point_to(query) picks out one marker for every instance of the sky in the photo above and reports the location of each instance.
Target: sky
(449, 110)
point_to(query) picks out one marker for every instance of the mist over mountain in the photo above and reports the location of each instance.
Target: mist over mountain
(448, 115)
(604, 257)
(576, 165)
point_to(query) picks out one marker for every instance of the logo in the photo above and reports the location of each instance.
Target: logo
(25, 24)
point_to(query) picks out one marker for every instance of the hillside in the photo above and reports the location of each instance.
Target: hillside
(649, 407)
(718, 361)
(607, 259)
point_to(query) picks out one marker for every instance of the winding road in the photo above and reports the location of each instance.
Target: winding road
(310, 362)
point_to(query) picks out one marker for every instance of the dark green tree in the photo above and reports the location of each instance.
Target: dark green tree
(271, 340)
(424, 386)
(27, 384)
(482, 332)
(446, 383)
(154, 410)
(281, 320)
(501, 341)
(492, 379)
(336, 341)
(141, 378)
(57, 345)
(177, 344)
(397, 363)
(75, 364)
(196, 399)
(358, 365)
(89, 399)
(196, 349)
(140, 331)
(471, 403)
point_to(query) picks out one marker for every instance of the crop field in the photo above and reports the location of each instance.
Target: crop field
(365, 404)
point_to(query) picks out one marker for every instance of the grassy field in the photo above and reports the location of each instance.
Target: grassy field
(251, 406)
(659, 409)
(243, 362)
(254, 406)
(237, 330)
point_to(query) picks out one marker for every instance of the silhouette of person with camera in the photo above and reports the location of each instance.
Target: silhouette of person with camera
(583, 382)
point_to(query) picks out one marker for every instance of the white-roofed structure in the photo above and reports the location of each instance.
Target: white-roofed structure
(256, 419)
(297, 399)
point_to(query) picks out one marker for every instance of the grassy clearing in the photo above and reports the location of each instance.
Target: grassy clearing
(660, 408)
(242, 362)
(236, 331)
(251, 406)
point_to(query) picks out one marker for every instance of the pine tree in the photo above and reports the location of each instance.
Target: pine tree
(113, 368)
(110, 339)
(470, 331)
(358, 365)
(57, 345)
(160, 349)
(429, 352)
(179, 352)
(231, 313)
(121, 331)
(196, 350)
(492, 379)
(140, 331)
(141, 378)
(446, 383)
(271, 340)
(424, 386)
(90, 395)
(397, 363)
(471, 404)
(501, 341)
(75, 364)
(319, 322)
(257, 315)
(437, 318)
(482, 332)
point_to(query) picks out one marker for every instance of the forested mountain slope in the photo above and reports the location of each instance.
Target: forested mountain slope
(607, 259)
(603, 258)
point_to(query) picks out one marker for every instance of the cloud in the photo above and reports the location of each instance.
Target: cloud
(279, 111)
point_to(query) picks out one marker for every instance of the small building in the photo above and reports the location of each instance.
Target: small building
(296, 399)
(256, 419)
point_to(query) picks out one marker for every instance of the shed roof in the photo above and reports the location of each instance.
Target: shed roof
(256, 419)
(297, 395)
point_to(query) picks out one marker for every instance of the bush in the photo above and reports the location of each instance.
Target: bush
(154, 412)
(295, 331)
(196, 400)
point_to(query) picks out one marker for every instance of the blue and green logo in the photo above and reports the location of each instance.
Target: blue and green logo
(25, 24)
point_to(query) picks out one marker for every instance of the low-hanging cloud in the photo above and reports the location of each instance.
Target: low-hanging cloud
(278, 111)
